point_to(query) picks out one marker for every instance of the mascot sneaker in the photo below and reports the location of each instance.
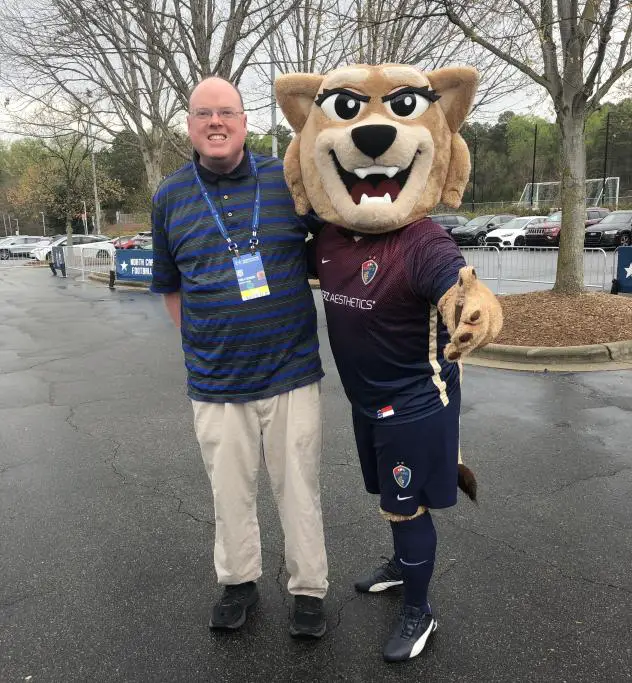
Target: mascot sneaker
(231, 610)
(410, 635)
(308, 620)
(383, 578)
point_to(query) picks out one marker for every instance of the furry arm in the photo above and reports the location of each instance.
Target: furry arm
(471, 313)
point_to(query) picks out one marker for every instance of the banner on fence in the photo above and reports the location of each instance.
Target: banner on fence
(134, 264)
(624, 269)
(57, 260)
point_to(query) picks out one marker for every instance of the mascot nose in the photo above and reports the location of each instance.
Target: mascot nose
(373, 140)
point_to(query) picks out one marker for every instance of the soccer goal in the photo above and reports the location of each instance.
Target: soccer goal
(547, 195)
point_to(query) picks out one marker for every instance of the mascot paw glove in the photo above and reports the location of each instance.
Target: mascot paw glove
(472, 314)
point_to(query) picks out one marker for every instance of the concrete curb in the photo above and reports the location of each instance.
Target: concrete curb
(617, 352)
(98, 277)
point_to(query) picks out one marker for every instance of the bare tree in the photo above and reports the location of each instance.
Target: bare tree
(310, 40)
(100, 58)
(320, 35)
(576, 51)
(60, 178)
(131, 63)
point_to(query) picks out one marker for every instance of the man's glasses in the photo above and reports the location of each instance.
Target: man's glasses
(223, 114)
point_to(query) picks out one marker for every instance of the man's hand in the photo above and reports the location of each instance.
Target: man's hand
(472, 314)
(173, 304)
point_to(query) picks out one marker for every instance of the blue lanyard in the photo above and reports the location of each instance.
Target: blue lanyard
(232, 245)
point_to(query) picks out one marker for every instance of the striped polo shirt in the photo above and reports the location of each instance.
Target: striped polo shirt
(236, 350)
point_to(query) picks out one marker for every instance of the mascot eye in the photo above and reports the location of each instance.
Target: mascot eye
(408, 105)
(342, 106)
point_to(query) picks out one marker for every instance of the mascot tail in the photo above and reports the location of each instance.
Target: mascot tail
(467, 481)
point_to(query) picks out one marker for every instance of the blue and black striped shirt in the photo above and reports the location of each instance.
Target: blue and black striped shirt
(236, 350)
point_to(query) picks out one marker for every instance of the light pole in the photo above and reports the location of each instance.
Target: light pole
(4, 222)
(97, 208)
(535, 147)
(85, 218)
(605, 161)
(474, 173)
(17, 225)
(43, 223)
(273, 119)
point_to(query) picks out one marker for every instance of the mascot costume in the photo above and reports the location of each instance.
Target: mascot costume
(376, 149)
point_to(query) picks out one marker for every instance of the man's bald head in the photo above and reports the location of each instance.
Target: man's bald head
(213, 84)
(217, 124)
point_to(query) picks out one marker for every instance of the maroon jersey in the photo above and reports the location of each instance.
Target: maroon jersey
(380, 294)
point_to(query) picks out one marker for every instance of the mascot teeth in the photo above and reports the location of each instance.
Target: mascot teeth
(386, 199)
(389, 171)
(373, 184)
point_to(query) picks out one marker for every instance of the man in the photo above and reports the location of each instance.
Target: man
(229, 259)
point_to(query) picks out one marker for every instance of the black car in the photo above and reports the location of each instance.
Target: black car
(615, 230)
(475, 231)
(449, 221)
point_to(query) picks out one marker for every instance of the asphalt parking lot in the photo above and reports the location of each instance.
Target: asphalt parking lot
(106, 518)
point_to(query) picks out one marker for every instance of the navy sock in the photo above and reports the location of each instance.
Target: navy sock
(415, 544)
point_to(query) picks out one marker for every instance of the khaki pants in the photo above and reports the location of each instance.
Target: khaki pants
(231, 436)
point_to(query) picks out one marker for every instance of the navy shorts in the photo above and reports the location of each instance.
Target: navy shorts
(414, 463)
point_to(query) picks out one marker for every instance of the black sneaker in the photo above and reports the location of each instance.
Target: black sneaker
(410, 635)
(383, 578)
(231, 610)
(308, 620)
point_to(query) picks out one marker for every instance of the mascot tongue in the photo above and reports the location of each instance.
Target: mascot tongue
(364, 187)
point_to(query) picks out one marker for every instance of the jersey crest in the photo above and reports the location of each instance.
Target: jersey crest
(402, 475)
(369, 269)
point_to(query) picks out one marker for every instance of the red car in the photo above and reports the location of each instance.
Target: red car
(548, 233)
(129, 242)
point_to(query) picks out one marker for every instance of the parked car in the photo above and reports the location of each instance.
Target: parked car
(44, 253)
(548, 234)
(615, 230)
(123, 242)
(475, 231)
(132, 241)
(20, 246)
(449, 221)
(512, 233)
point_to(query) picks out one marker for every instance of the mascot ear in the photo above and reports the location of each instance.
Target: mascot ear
(294, 177)
(458, 173)
(295, 94)
(457, 87)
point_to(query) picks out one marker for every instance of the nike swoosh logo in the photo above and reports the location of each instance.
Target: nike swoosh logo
(404, 498)
(325, 260)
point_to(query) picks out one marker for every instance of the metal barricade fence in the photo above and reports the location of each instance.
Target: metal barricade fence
(486, 262)
(9, 260)
(90, 258)
(537, 265)
(15, 255)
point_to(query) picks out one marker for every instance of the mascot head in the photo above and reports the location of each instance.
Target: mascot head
(377, 147)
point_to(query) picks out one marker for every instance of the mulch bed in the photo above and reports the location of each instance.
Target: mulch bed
(549, 319)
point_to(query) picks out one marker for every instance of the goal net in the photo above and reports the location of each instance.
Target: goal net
(547, 195)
